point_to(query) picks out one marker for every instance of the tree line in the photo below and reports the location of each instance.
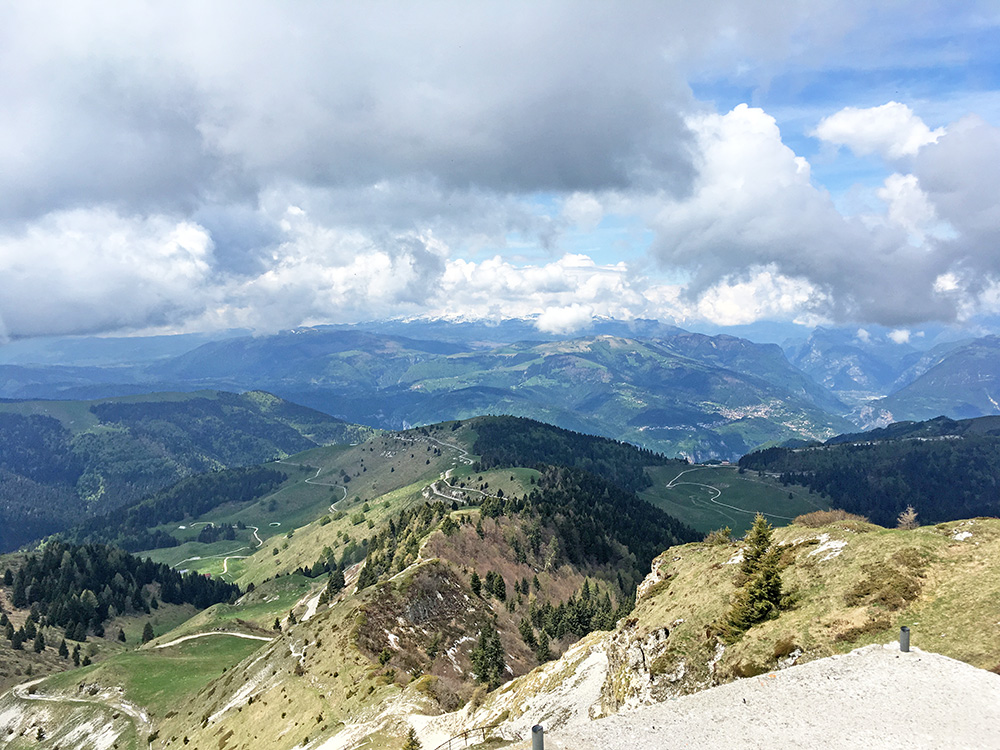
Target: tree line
(944, 478)
(80, 587)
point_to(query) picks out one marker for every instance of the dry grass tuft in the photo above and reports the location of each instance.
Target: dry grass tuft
(824, 517)
(784, 647)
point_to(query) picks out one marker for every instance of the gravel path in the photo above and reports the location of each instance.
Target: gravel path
(875, 697)
(184, 638)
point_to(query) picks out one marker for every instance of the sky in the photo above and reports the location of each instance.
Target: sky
(201, 166)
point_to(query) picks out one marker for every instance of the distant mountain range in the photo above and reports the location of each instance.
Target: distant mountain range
(653, 384)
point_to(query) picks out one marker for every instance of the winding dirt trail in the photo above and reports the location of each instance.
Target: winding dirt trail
(184, 638)
(143, 725)
(718, 493)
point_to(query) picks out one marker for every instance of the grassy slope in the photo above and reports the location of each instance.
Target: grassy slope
(953, 613)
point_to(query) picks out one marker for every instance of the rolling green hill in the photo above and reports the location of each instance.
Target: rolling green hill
(669, 390)
(703, 397)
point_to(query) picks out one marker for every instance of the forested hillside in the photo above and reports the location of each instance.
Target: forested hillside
(62, 461)
(130, 528)
(514, 441)
(945, 469)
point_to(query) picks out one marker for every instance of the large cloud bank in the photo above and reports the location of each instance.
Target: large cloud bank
(203, 165)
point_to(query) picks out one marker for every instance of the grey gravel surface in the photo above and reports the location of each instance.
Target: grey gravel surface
(875, 697)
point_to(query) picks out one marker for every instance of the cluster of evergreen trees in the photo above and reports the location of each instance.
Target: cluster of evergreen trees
(229, 429)
(31, 632)
(581, 614)
(487, 657)
(944, 478)
(397, 544)
(598, 522)
(38, 471)
(503, 442)
(80, 587)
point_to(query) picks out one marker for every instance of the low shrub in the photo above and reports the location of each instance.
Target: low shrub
(885, 586)
(874, 625)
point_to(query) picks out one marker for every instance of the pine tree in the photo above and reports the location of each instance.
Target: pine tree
(63, 650)
(758, 542)
(337, 583)
(412, 743)
(542, 652)
(759, 599)
(76, 655)
(147, 632)
(121, 635)
(39, 644)
(907, 519)
(476, 583)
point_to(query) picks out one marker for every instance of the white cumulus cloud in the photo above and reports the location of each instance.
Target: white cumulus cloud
(90, 270)
(891, 130)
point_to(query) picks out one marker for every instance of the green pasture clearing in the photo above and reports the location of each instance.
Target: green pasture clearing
(271, 599)
(692, 500)
(157, 679)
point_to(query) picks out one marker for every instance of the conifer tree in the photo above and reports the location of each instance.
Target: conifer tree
(759, 599)
(337, 583)
(412, 743)
(63, 650)
(542, 652)
(758, 542)
(147, 632)
(476, 583)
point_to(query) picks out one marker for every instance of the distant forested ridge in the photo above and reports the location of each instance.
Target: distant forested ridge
(945, 469)
(80, 587)
(129, 528)
(515, 441)
(62, 461)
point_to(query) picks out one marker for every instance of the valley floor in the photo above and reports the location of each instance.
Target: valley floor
(874, 697)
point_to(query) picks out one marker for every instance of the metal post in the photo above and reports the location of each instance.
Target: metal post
(537, 737)
(904, 639)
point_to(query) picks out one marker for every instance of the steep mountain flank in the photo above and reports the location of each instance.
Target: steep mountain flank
(960, 382)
